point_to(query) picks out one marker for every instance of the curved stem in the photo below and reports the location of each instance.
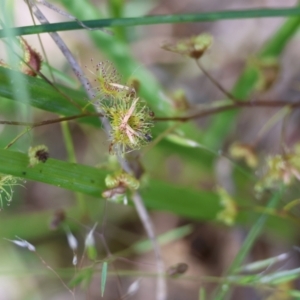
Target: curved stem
(216, 83)
(236, 105)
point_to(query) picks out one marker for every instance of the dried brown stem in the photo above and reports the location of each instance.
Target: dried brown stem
(52, 121)
(200, 114)
(216, 83)
(236, 105)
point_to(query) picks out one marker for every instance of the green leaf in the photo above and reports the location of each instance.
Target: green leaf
(262, 264)
(248, 243)
(84, 277)
(281, 277)
(202, 294)
(71, 176)
(163, 239)
(88, 180)
(46, 97)
(91, 252)
(294, 293)
(103, 277)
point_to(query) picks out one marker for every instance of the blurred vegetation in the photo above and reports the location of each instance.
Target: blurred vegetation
(197, 171)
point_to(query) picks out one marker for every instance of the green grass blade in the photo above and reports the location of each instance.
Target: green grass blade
(161, 19)
(202, 294)
(163, 239)
(88, 180)
(158, 195)
(103, 277)
(280, 277)
(254, 232)
(262, 264)
(71, 176)
(294, 293)
(45, 97)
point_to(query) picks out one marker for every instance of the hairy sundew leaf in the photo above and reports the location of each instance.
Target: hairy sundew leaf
(45, 97)
(120, 54)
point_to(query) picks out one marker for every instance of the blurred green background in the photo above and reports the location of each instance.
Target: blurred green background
(181, 169)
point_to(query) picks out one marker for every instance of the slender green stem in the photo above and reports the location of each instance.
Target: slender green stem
(68, 142)
(72, 158)
(18, 137)
(161, 19)
(216, 83)
(116, 8)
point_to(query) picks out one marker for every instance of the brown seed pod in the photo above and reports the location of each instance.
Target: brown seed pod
(38, 154)
(193, 47)
(178, 269)
(58, 217)
(31, 58)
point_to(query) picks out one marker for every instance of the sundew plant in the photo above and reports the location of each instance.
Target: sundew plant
(148, 152)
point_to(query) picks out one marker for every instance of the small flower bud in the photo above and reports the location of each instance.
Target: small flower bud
(178, 269)
(31, 58)
(37, 154)
(7, 182)
(72, 241)
(57, 218)
(133, 288)
(23, 244)
(122, 179)
(75, 260)
(90, 244)
(243, 151)
(228, 214)
(193, 47)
